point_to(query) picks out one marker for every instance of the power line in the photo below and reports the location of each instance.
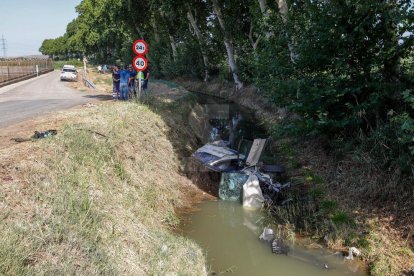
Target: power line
(3, 44)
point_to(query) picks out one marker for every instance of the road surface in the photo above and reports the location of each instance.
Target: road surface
(28, 99)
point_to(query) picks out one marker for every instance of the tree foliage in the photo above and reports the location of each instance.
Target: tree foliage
(344, 66)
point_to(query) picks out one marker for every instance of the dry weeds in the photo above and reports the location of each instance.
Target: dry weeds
(83, 203)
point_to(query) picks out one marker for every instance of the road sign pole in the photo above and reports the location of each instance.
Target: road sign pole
(84, 70)
(140, 63)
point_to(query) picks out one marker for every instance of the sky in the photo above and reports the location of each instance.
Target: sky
(26, 23)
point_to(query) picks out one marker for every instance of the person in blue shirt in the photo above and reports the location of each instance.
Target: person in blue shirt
(124, 79)
(115, 80)
(132, 75)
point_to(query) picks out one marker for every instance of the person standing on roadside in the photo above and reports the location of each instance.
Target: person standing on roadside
(144, 80)
(124, 77)
(131, 84)
(116, 82)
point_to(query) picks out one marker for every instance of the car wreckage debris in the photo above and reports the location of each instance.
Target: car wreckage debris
(44, 134)
(37, 135)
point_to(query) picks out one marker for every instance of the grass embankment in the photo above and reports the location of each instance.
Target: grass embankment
(341, 197)
(98, 198)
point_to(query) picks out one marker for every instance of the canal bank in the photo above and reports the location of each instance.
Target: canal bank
(228, 233)
(340, 190)
(174, 105)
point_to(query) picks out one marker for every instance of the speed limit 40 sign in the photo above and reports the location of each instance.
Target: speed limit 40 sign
(140, 63)
(140, 47)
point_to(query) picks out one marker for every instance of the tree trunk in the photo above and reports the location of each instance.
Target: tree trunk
(283, 11)
(266, 27)
(229, 45)
(139, 31)
(200, 39)
(173, 47)
(173, 44)
(154, 27)
(262, 4)
(232, 64)
(253, 42)
(392, 68)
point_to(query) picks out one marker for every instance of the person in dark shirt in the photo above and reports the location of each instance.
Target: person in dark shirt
(124, 79)
(116, 82)
(131, 84)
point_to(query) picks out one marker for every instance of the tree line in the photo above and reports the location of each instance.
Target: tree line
(344, 66)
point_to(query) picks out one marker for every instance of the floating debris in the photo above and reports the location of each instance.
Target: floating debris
(352, 251)
(267, 235)
(252, 194)
(279, 247)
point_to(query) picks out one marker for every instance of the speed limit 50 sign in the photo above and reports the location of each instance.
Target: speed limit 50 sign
(140, 47)
(140, 63)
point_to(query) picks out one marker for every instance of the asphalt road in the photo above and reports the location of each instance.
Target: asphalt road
(28, 99)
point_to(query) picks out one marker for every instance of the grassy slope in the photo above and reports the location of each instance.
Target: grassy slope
(83, 203)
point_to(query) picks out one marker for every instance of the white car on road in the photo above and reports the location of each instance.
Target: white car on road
(69, 73)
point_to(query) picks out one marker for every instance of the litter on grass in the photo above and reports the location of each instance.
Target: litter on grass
(44, 134)
(37, 135)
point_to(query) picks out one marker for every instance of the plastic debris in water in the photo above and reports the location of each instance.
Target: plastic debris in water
(352, 251)
(252, 194)
(267, 235)
(279, 247)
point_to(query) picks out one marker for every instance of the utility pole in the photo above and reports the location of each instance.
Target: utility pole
(3, 45)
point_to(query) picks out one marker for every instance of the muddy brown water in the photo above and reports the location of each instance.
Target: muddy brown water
(227, 232)
(230, 234)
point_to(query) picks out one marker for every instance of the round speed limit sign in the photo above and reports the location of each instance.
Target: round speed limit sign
(140, 47)
(140, 63)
